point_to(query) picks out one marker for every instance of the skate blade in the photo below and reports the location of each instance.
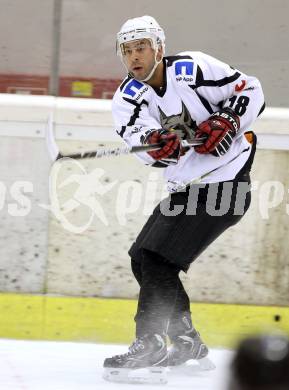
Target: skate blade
(148, 375)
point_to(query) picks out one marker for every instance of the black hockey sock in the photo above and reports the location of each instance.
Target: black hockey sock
(158, 293)
(136, 270)
(180, 321)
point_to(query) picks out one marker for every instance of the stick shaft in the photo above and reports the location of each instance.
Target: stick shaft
(121, 151)
(55, 153)
(111, 152)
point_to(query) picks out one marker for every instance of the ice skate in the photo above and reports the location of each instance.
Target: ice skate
(145, 362)
(189, 347)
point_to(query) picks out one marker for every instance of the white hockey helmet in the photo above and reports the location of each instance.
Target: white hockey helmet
(140, 28)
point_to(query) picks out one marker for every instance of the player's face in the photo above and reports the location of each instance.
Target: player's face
(139, 58)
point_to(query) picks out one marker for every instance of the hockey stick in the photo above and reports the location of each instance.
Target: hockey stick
(55, 153)
(199, 179)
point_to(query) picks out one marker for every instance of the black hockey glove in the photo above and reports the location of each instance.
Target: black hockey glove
(220, 129)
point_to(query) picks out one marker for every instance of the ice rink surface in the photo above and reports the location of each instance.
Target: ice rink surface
(34, 365)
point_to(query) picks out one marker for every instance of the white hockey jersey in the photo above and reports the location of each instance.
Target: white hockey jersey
(195, 86)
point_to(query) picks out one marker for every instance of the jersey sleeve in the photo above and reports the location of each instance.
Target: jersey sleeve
(224, 86)
(132, 119)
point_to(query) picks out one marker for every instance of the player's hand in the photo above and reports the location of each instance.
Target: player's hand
(171, 142)
(220, 129)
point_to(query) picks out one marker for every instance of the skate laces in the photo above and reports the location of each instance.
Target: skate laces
(135, 347)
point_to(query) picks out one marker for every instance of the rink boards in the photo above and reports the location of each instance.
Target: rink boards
(99, 320)
(248, 264)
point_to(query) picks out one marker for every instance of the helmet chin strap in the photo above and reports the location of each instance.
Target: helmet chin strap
(152, 71)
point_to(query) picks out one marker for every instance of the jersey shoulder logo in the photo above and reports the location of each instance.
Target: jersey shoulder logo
(135, 89)
(184, 70)
(132, 87)
(239, 88)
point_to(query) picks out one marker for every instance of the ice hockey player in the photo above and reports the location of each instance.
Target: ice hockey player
(167, 100)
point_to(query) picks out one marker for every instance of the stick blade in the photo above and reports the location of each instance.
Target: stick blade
(51, 144)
